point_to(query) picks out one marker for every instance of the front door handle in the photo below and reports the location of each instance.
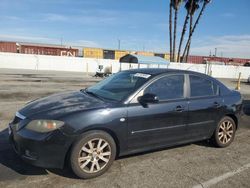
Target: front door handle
(179, 108)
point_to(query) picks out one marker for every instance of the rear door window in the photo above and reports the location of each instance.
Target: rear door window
(200, 87)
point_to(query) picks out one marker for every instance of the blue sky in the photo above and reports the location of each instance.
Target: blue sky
(139, 24)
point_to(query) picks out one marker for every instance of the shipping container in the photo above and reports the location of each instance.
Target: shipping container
(145, 53)
(69, 52)
(167, 57)
(93, 53)
(160, 55)
(196, 59)
(47, 50)
(120, 53)
(8, 47)
(225, 60)
(108, 54)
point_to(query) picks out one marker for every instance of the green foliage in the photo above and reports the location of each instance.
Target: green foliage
(191, 7)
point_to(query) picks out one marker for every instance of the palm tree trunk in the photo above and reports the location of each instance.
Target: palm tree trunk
(190, 29)
(195, 25)
(182, 35)
(175, 30)
(170, 30)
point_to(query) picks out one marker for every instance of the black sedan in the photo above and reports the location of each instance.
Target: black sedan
(131, 111)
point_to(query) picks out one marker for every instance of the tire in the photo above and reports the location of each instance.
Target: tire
(225, 132)
(92, 154)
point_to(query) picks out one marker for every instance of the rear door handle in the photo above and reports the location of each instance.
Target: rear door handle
(216, 104)
(179, 108)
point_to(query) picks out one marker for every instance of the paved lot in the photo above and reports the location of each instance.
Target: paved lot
(197, 164)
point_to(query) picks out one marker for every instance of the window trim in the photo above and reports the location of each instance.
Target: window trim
(138, 93)
(204, 96)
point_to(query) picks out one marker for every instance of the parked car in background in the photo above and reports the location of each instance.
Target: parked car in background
(103, 71)
(129, 112)
(247, 64)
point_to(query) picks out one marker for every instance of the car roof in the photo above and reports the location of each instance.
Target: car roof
(158, 71)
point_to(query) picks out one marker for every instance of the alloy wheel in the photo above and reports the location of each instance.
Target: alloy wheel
(225, 132)
(94, 155)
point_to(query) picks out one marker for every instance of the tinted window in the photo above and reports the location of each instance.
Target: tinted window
(119, 86)
(202, 87)
(166, 88)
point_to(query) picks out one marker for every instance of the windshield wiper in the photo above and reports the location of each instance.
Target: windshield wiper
(91, 93)
(97, 96)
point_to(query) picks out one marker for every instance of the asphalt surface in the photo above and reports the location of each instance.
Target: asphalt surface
(192, 165)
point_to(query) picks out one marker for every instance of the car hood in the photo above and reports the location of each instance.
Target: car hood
(60, 104)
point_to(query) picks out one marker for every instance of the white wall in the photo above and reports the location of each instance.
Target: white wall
(218, 71)
(57, 63)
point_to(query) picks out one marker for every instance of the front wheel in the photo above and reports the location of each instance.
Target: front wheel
(92, 155)
(224, 133)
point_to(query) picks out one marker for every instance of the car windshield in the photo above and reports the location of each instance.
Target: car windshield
(118, 86)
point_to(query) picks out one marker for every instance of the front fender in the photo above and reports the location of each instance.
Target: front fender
(106, 119)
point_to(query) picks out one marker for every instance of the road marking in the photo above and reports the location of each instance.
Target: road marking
(222, 177)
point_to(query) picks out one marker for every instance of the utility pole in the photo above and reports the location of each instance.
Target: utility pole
(119, 44)
(215, 54)
(61, 41)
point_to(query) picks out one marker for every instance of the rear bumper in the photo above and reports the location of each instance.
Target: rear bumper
(43, 150)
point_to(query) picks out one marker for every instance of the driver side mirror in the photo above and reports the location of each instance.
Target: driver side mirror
(148, 98)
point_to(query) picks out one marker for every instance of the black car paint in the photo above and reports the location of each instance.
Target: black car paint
(134, 128)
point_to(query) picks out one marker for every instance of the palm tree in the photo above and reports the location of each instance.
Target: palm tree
(188, 6)
(170, 29)
(185, 59)
(205, 3)
(194, 8)
(176, 5)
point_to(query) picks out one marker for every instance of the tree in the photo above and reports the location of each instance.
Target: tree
(185, 59)
(195, 7)
(188, 6)
(176, 5)
(205, 3)
(170, 29)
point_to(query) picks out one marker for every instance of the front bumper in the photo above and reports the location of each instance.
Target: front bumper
(47, 150)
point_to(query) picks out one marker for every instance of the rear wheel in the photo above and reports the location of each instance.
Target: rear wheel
(92, 155)
(224, 133)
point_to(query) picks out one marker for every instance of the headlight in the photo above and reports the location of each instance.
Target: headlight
(44, 126)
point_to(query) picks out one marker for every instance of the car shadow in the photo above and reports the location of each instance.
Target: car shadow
(246, 107)
(245, 120)
(10, 161)
(164, 148)
(65, 172)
